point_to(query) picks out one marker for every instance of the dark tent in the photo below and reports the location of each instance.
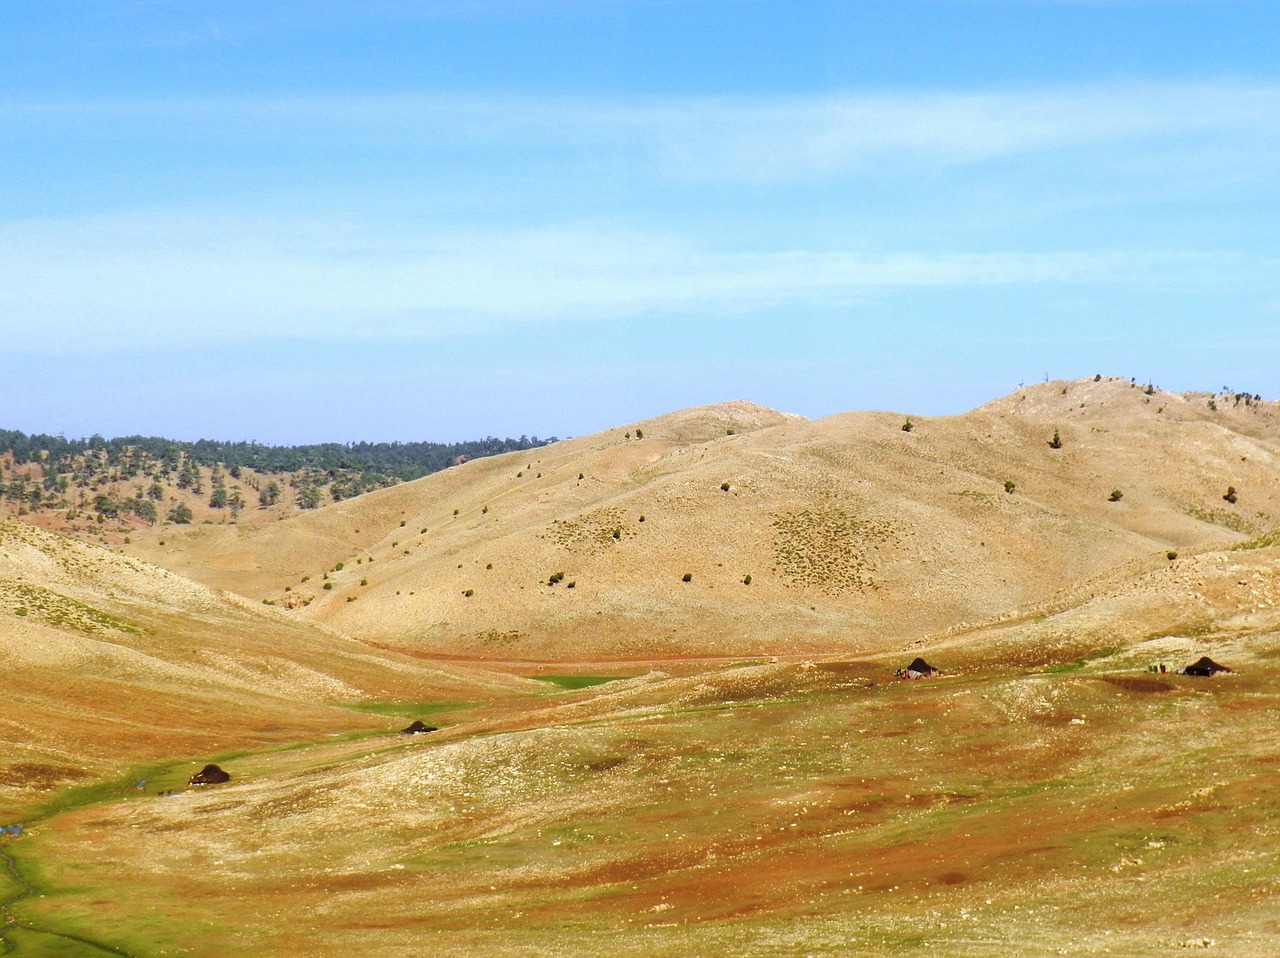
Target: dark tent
(918, 668)
(210, 775)
(417, 728)
(1204, 668)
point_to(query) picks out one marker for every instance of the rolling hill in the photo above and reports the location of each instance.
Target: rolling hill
(635, 764)
(732, 529)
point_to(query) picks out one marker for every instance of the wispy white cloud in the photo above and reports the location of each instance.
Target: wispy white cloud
(218, 279)
(783, 139)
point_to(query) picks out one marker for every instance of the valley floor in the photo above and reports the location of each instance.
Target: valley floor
(728, 808)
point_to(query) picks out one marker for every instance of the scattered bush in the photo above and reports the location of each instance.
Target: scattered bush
(908, 426)
(1098, 378)
(489, 565)
(579, 476)
(338, 567)
(351, 598)
(1009, 486)
(1056, 441)
(328, 586)
(1116, 496)
(724, 487)
(364, 581)
(554, 578)
(746, 580)
(1171, 555)
(687, 577)
(617, 534)
(468, 593)
(1231, 495)
(401, 522)
(639, 433)
(571, 583)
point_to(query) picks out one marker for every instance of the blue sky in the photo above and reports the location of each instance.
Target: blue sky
(418, 219)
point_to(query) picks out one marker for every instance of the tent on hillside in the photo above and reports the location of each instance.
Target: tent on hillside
(1205, 668)
(918, 669)
(210, 775)
(417, 728)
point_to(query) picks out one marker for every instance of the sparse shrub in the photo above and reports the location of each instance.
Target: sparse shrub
(731, 432)
(364, 581)
(639, 433)
(1171, 555)
(579, 476)
(617, 534)
(1056, 441)
(484, 510)
(1098, 378)
(571, 583)
(306, 578)
(554, 578)
(627, 435)
(1150, 389)
(489, 565)
(1116, 496)
(746, 580)
(351, 598)
(724, 487)
(519, 475)
(328, 586)
(1231, 495)
(339, 567)
(687, 577)
(288, 588)
(1009, 486)
(455, 512)
(423, 532)
(401, 522)
(468, 593)
(20, 611)
(908, 426)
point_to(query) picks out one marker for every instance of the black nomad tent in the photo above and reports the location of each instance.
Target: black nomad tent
(417, 728)
(918, 669)
(210, 775)
(1205, 668)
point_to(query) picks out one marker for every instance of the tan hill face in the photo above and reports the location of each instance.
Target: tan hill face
(108, 661)
(856, 533)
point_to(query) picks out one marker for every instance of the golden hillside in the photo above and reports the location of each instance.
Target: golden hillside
(109, 662)
(857, 534)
